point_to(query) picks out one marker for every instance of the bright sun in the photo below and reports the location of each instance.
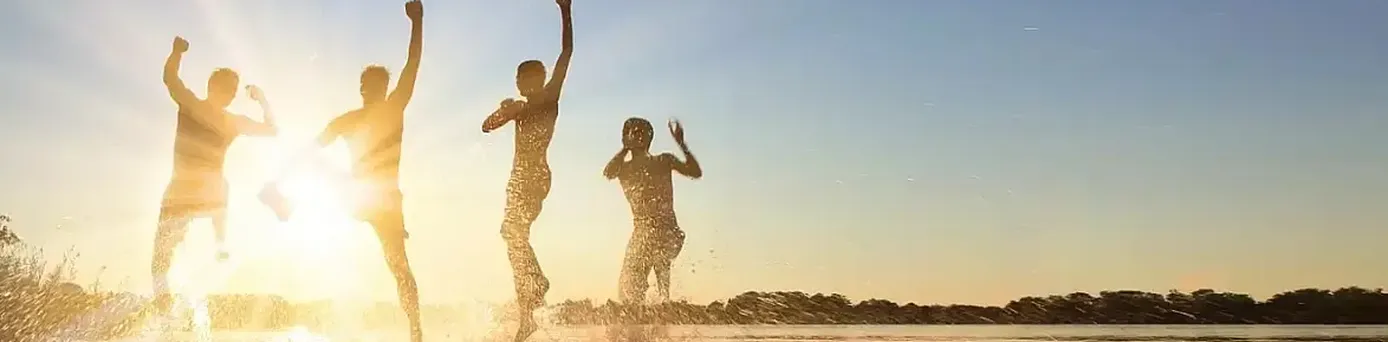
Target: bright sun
(321, 222)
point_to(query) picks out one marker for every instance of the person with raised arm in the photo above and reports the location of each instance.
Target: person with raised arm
(198, 187)
(529, 185)
(373, 134)
(656, 237)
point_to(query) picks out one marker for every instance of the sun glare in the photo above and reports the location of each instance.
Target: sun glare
(321, 220)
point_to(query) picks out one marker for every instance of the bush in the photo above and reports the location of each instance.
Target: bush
(42, 303)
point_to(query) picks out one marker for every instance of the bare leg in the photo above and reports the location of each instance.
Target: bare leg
(662, 280)
(169, 234)
(673, 243)
(531, 284)
(632, 282)
(524, 200)
(219, 230)
(392, 235)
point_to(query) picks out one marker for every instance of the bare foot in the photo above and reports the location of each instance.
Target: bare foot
(527, 326)
(416, 334)
(528, 304)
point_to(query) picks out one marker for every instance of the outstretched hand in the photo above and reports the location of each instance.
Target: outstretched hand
(180, 45)
(414, 9)
(564, 4)
(255, 93)
(677, 130)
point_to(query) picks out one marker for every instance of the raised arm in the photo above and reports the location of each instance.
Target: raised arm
(561, 67)
(614, 166)
(404, 88)
(248, 126)
(177, 90)
(690, 166)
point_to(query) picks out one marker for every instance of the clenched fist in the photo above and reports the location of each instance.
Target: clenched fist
(180, 45)
(414, 9)
(255, 93)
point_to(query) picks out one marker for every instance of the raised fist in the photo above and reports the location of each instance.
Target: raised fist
(564, 3)
(180, 45)
(255, 93)
(414, 9)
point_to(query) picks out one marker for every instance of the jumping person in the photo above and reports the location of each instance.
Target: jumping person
(373, 134)
(529, 185)
(197, 188)
(656, 238)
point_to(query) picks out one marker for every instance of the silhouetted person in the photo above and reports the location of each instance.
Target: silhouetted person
(530, 175)
(656, 238)
(198, 188)
(373, 134)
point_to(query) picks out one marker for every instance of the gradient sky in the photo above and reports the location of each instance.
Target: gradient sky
(926, 151)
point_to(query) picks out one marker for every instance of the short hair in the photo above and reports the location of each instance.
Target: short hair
(530, 66)
(224, 76)
(634, 124)
(375, 72)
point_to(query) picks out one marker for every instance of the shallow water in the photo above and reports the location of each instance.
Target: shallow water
(973, 333)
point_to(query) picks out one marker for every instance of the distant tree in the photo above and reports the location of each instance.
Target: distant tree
(1350, 305)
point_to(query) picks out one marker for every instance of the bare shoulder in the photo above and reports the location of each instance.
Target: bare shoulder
(668, 159)
(344, 121)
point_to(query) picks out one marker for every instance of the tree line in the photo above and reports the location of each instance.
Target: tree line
(1349, 305)
(38, 301)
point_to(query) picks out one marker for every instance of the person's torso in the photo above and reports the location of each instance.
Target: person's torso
(373, 141)
(534, 132)
(202, 137)
(649, 189)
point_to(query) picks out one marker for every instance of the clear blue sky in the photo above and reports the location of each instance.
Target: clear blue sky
(927, 151)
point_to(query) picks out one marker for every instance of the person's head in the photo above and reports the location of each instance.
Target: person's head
(530, 77)
(221, 87)
(375, 80)
(637, 134)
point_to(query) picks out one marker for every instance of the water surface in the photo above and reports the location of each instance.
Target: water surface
(971, 333)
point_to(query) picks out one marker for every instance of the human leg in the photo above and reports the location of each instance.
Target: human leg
(525, 195)
(662, 279)
(673, 243)
(219, 231)
(168, 235)
(632, 281)
(390, 229)
(216, 193)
